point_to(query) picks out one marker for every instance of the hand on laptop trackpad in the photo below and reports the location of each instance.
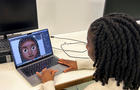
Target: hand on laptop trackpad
(59, 67)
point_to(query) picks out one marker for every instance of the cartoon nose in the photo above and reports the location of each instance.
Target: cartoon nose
(30, 53)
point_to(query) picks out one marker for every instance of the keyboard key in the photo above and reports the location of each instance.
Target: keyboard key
(37, 67)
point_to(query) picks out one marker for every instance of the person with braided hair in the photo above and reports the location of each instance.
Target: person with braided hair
(113, 43)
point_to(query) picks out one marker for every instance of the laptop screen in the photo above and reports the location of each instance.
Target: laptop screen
(30, 47)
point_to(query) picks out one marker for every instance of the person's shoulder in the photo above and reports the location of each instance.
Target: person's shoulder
(98, 86)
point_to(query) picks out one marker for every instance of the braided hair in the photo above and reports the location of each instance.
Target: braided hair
(117, 50)
(24, 40)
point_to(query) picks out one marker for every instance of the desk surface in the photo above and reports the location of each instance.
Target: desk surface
(10, 79)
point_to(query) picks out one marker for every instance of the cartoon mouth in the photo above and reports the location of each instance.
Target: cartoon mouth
(31, 56)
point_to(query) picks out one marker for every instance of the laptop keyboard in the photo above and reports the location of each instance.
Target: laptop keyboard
(4, 46)
(37, 67)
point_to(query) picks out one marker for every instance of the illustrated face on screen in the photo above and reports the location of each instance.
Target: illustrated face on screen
(29, 49)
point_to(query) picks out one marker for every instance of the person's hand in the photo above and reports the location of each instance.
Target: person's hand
(72, 65)
(46, 75)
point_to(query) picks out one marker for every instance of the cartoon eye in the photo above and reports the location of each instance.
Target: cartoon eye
(25, 50)
(33, 47)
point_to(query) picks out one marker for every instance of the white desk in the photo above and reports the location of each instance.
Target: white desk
(10, 79)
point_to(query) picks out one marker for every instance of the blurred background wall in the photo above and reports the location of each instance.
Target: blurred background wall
(64, 16)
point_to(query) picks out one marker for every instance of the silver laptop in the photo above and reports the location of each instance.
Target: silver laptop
(31, 53)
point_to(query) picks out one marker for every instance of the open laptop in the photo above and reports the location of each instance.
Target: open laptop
(31, 53)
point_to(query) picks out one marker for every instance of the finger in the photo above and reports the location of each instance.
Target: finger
(38, 74)
(64, 62)
(53, 72)
(68, 69)
(50, 70)
(60, 62)
(44, 70)
(60, 59)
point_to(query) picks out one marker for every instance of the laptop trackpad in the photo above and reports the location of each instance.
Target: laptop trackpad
(59, 67)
